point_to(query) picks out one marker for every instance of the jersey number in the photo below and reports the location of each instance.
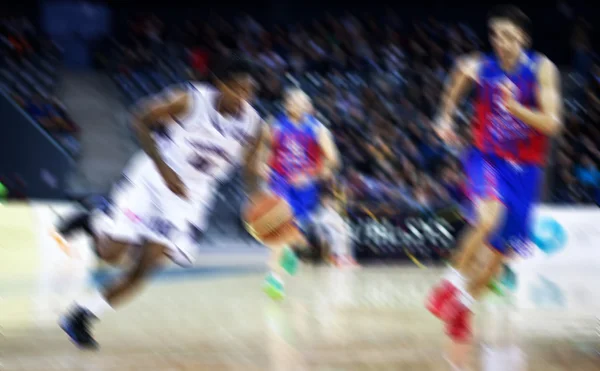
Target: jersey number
(200, 163)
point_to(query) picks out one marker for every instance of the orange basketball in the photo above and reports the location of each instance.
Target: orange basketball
(270, 219)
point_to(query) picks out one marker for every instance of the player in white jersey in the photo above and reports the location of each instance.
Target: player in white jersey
(167, 190)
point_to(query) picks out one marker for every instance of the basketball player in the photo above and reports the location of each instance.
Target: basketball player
(168, 189)
(300, 151)
(333, 229)
(518, 108)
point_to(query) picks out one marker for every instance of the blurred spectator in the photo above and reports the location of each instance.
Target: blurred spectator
(28, 69)
(376, 85)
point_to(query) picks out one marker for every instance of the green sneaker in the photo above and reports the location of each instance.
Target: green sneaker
(273, 287)
(505, 284)
(289, 261)
(496, 287)
(509, 279)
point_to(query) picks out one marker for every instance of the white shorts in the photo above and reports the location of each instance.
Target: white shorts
(145, 210)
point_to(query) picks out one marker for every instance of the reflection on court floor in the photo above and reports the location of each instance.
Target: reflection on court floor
(215, 317)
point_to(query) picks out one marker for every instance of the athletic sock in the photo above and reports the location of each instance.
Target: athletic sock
(455, 278)
(95, 303)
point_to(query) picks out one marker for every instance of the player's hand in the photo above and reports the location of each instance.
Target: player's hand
(326, 174)
(173, 181)
(445, 130)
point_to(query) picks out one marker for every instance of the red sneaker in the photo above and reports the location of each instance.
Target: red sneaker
(439, 296)
(459, 328)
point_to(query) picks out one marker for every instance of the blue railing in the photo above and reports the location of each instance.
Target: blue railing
(29, 153)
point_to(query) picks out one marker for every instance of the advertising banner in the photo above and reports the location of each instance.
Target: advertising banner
(568, 277)
(427, 236)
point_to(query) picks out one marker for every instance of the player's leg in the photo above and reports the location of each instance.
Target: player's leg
(273, 284)
(78, 323)
(519, 187)
(485, 213)
(133, 205)
(490, 213)
(340, 240)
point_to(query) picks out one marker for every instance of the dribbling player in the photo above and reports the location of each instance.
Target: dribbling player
(168, 189)
(518, 108)
(300, 151)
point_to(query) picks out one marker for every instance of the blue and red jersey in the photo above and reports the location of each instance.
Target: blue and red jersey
(495, 130)
(295, 148)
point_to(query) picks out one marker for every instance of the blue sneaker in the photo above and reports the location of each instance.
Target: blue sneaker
(77, 326)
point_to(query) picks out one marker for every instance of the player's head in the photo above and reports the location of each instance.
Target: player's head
(233, 76)
(509, 31)
(297, 103)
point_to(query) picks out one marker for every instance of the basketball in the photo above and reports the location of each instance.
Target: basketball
(270, 219)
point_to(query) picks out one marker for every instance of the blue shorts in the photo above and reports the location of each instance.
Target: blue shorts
(304, 200)
(516, 186)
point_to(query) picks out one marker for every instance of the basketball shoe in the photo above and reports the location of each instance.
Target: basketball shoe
(273, 287)
(452, 284)
(457, 315)
(440, 296)
(289, 261)
(77, 326)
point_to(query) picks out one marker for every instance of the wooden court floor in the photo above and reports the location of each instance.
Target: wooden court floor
(368, 319)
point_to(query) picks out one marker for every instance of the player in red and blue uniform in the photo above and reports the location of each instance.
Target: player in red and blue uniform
(295, 164)
(301, 153)
(517, 110)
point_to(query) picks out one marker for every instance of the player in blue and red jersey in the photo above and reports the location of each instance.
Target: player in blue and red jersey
(301, 153)
(518, 108)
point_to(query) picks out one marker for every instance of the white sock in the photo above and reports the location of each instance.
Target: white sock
(454, 277)
(95, 303)
(467, 300)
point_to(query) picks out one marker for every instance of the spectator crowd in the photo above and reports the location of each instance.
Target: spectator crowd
(376, 83)
(29, 75)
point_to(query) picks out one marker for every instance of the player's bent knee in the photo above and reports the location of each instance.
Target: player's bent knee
(490, 215)
(111, 251)
(150, 258)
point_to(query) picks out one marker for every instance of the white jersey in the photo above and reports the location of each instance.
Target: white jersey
(203, 148)
(206, 146)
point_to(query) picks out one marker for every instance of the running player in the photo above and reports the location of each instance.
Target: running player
(301, 151)
(167, 191)
(518, 108)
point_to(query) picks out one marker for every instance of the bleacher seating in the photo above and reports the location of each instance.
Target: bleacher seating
(363, 85)
(27, 72)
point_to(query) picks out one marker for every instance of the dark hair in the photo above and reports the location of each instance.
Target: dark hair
(231, 67)
(512, 14)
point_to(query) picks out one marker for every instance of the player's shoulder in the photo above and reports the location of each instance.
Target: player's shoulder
(315, 124)
(542, 65)
(199, 90)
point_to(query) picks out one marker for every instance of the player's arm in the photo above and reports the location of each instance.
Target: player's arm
(329, 150)
(547, 119)
(152, 114)
(255, 159)
(460, 80)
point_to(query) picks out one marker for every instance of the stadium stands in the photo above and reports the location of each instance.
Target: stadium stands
(29, 75)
